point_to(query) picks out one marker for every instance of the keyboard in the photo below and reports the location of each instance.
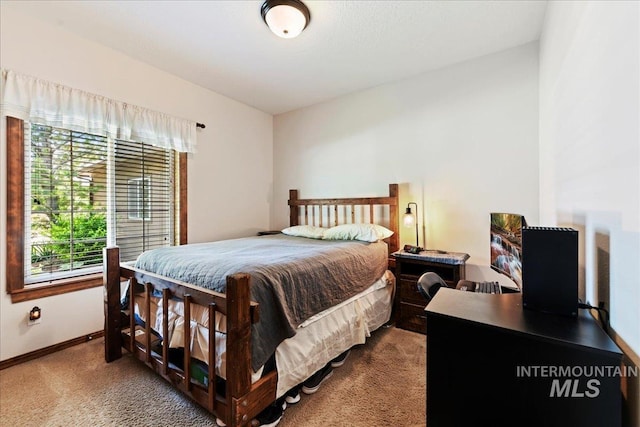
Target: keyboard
(488, 288)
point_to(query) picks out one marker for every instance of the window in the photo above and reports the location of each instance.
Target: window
(70, 194)
(144, 213)
(65, 203)
(139, 198)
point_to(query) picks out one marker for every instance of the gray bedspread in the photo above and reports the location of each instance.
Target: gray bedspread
(292, 278)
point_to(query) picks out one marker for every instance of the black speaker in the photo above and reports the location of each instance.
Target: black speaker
(550, 270)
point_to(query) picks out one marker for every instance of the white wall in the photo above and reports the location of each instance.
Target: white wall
(590, 149)
(229, 178)
(462, 142)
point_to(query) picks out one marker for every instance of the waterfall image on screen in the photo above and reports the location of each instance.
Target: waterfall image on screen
(506, 245)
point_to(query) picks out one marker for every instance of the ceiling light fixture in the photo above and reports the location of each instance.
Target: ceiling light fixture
(285, 18)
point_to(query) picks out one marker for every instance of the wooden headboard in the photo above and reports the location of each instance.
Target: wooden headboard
(331, 212)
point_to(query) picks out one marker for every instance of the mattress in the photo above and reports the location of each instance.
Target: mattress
(317, 340)
(292, 278)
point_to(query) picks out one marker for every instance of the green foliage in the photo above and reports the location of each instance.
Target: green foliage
(89, 237)
(41, 253)
(507, 222)
(62, 167)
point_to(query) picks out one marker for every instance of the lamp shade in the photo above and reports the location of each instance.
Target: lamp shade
(285, 18)
(409, 219)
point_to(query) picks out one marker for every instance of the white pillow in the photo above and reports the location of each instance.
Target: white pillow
(364, 232)
(310, 231)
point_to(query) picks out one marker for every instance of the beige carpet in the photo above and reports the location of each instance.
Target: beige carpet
(382, 383)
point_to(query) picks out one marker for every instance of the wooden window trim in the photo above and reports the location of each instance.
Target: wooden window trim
(15, 225)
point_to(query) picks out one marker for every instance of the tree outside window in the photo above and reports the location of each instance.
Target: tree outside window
(68, 221)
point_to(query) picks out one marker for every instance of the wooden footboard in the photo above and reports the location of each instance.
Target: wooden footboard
(241, 400)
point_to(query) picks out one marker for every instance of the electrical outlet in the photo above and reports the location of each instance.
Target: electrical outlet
(33, 322)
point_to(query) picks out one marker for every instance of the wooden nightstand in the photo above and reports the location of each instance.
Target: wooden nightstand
(409, 303)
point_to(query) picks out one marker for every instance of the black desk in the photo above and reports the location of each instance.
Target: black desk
(491, 363)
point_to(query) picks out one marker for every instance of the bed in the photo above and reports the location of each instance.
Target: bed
(274, 326)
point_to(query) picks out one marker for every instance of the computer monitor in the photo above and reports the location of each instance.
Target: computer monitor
(506, 245)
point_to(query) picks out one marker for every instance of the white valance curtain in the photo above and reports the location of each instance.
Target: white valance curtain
(51, 104)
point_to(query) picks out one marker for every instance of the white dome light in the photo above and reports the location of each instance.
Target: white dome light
(285, 18)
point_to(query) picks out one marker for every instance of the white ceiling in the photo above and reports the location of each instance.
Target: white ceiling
(348, 46)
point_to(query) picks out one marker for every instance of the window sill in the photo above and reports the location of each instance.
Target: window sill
(56, 288)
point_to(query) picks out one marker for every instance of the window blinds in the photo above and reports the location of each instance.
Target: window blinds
(143, 199)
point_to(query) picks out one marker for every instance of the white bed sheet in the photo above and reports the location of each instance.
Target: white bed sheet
(318, 340)
(332, 332)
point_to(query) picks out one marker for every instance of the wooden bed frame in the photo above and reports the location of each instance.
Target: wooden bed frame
(243, 400)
